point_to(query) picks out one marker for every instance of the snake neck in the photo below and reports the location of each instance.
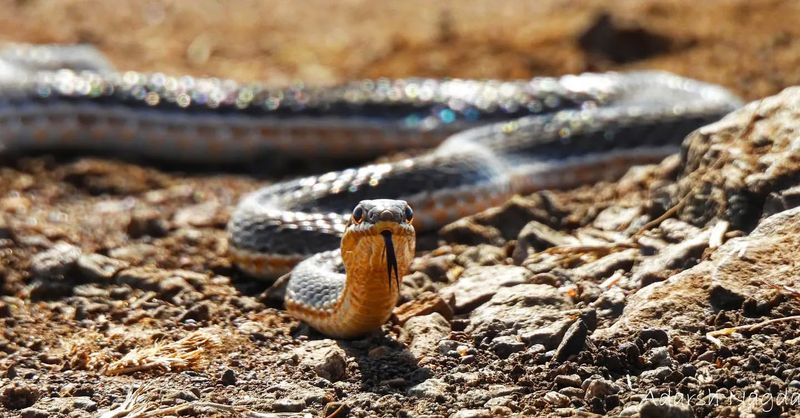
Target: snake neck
(369, 296)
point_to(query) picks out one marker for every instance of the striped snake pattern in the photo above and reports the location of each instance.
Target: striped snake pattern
(489, 140)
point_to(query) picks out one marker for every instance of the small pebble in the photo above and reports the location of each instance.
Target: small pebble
(228, 378)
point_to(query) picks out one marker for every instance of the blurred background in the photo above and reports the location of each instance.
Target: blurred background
(750, 46)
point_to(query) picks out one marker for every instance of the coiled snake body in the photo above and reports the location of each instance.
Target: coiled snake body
(492, 139)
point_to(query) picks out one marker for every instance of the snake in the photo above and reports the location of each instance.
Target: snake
(346, 238)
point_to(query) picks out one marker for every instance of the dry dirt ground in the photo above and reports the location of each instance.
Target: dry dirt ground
(113, 275)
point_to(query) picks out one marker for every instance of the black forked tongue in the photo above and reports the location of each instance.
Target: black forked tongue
(391, 258)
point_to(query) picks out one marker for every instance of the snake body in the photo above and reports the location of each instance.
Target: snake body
(491, 139)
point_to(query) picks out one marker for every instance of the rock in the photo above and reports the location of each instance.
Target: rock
(506, 345)
(201, 214)
(199, 312)
(136, 253)
(228, 378)
(610, 303)
(472, 413)
(466, 231)
(504, 390)
(167, 283)
(535, 237)
(430, 389)
(665, 408)
(425, 304)
(288, 405)
(659, 356)
(574, 341)
(660, 336)
(507, 400)
(446, 346)
(739, 267)
(568, 380)
(56, 262)
(34, 413)
(723, 298)
(425, 333)
(500, 411)
(518, 310)
(470, 379)
(19, 396)
(414, 285)
(556, 399)
(708, 356)
(600, 388)
(781, 200)
(606, 266)
(616, 218)
(325, 357)
(674, 257)
(48, 407)
(574, 393)
(481, 255)
(172, 285)
(478, 284)
(311, 395)
(761, 406)
(549, 336)
(674, 230)
(437, 268)
(147, 223)
(730, 167)
(659, 374)
(6, 231)
(512, 216)
(98, 267)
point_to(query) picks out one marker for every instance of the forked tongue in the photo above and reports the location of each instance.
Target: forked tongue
(391, 258)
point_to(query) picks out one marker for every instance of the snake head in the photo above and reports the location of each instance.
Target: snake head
(379, 239)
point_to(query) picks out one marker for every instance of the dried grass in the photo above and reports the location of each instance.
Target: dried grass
(188, 352)
(136, 405)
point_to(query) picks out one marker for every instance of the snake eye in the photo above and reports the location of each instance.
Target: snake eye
(358, 215)
(409, 214)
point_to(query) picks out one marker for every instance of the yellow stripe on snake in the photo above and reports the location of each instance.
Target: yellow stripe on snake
(490, 139)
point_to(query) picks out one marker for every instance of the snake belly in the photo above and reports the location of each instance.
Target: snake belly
(491, 139)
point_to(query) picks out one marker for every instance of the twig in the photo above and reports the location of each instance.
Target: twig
(664, 216)
(711, 336)
(242, 411)
(336, 412)
(790, 290)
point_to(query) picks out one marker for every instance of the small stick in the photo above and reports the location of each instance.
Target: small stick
(711, 336)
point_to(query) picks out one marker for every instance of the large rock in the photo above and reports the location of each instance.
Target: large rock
(743, 268)
(732, 166)
(425, 333)
(478, 284)
(518, 310)
(325, 357)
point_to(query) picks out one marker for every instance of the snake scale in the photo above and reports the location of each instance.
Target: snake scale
(489, 139)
